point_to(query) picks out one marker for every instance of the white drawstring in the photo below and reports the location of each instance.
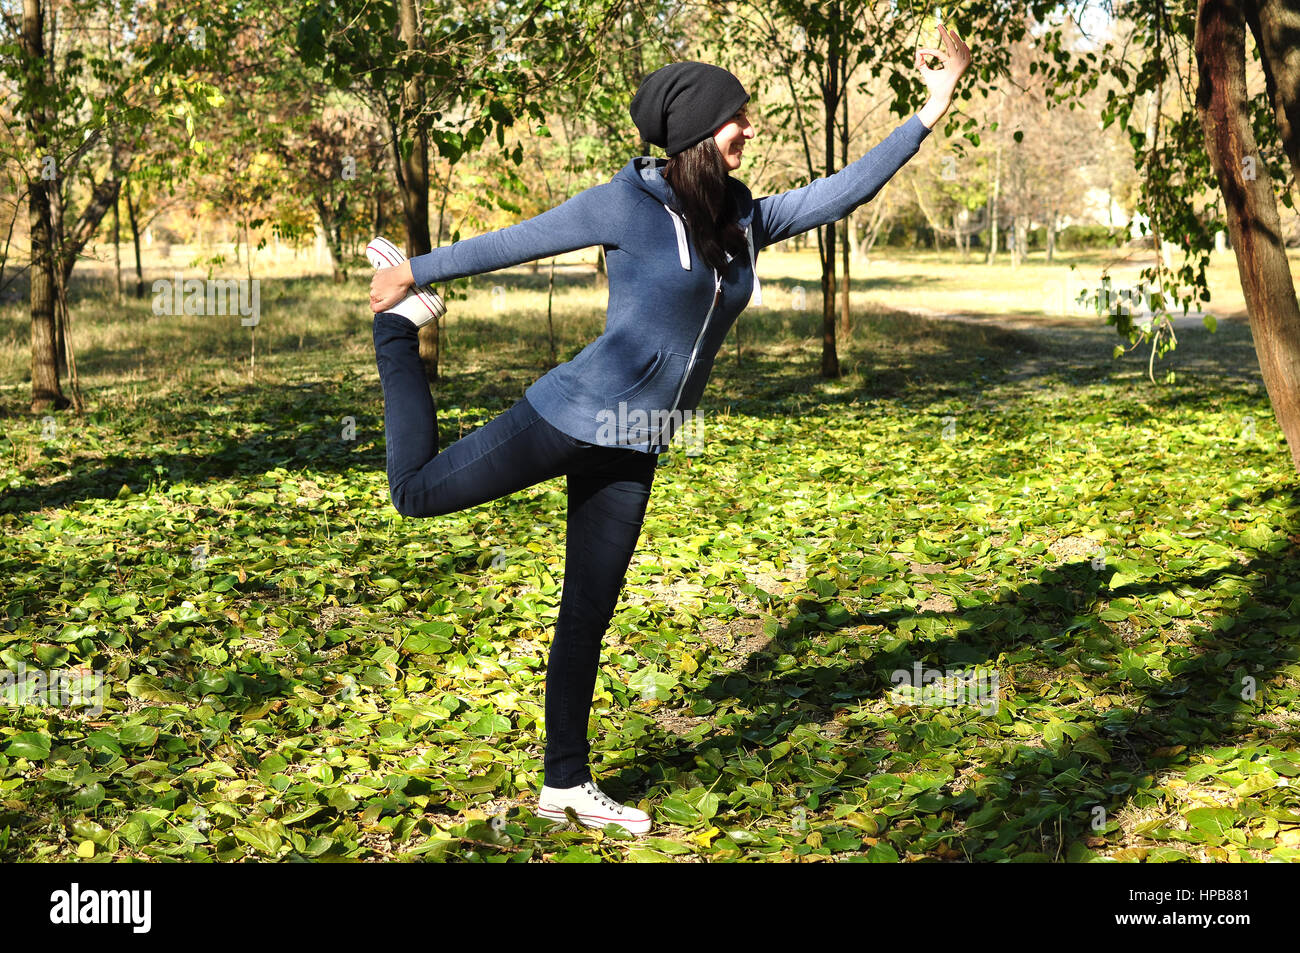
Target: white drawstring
(683, 253)
(757, 297)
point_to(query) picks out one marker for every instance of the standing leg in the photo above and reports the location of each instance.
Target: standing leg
(607, 504)
(514, 450)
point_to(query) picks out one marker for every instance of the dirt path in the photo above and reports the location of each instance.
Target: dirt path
(1074, 345)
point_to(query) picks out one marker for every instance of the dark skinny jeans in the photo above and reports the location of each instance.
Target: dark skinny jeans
(608, 489)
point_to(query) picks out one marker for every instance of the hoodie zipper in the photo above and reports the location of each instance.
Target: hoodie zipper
(684, 255)
(690, 364)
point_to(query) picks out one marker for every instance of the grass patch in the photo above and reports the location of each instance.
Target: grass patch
(295, 672)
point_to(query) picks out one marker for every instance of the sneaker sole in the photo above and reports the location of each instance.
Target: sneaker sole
(381, 253)
(597, 820)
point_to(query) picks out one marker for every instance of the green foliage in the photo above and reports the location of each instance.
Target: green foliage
(1075, 237)
(493, 65)
(297, 673)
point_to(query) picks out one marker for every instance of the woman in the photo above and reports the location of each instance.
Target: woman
(602, 419)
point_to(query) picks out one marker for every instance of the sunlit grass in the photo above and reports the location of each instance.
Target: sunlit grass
(297, 672)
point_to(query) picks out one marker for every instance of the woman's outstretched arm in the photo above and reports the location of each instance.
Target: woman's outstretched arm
(588, 218)
(830, 198)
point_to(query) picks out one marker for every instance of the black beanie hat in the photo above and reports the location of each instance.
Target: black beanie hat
(681, 104)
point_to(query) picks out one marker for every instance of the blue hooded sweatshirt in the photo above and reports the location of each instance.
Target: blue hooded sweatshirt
(668, 312)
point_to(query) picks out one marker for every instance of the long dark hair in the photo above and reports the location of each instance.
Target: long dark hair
(698, 177)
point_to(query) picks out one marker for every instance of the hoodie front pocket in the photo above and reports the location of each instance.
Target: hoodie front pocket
(657, 391)
(641, 411)
(647, 376)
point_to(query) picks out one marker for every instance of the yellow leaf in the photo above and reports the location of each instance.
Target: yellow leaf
(705, 838)
(86, 848)
(814, 839)
(862, 822)
(1129, 854)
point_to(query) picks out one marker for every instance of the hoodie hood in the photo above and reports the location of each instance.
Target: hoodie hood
(646, 174)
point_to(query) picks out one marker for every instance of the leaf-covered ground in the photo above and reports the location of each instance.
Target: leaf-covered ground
(296, 672)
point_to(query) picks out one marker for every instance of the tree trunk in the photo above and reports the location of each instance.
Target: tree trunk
(1019, 238)
(993, 196)
(102, 196)
(830, 359)
(846, 246)
(46, 392)
(1253, 221)
(1051, 234)
(9, 234)
(248, 245)
(330, 225)
(135, 237)
(54, 193)
(54, 190)
(1274, 24)
(67, 246)
(442, 204)
(340, 241)
(117, 249)
(415, 178)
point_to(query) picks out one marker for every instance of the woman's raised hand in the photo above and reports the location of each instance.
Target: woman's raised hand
(389, 286)
(954, 59)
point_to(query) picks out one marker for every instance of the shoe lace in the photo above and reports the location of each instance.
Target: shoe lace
(604, 798)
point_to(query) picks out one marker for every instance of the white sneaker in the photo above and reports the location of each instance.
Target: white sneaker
(593, 806)
(421, 306)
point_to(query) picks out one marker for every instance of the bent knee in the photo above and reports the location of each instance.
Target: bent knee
(414, 505)
(405, 503)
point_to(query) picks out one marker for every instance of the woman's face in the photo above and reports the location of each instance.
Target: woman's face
(730, 139)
